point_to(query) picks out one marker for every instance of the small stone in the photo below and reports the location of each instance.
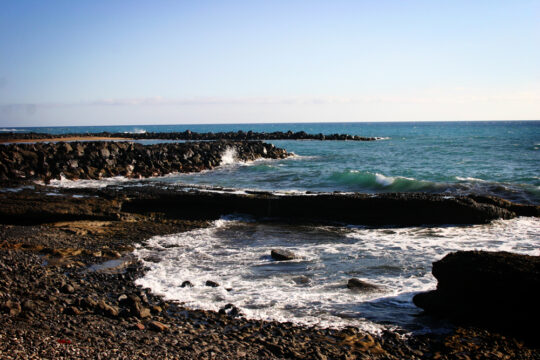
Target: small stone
(186, 284)
(107, 309)
(28, 305)
(68, 289)
(357, 284)
(138, 326)
(72, 310)
(211, 283)
(157, 326)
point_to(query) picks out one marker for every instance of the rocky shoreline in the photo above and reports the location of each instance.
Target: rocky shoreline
(67, 275)
(66, 290)
(191, 135)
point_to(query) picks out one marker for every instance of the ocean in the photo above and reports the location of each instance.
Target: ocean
(491, 158)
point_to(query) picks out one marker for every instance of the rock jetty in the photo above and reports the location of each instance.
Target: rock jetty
(96, 160)
(494, 289)
(191, 135)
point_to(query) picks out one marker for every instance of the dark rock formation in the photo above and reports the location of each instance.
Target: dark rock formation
(116, 203)
(186, 283)
(495, 289)
(402, 209)
(361, 285)
(282, 255)
(96, 160)
(190, 135)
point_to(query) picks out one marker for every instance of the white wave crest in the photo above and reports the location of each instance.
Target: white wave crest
(384, 180)
(469, 179)
(136, 131)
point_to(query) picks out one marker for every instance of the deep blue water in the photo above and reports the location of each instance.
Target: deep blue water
(500, 158)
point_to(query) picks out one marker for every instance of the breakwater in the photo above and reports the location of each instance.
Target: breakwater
(96, 160)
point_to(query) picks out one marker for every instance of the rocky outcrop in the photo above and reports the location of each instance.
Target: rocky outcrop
(495, 289)
(95, 160)
(128, 201)
(400, 209)
(190, 135)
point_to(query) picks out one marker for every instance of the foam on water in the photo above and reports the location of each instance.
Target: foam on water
(312, 289)
(96, 184)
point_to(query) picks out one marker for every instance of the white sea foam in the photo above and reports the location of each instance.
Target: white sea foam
(469, 179)
(135, 131)
(235, 253)
(96, 184)
(11, 130)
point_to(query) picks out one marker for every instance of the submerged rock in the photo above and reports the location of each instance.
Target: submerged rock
(282, 255)
(357, 284)
(495, 289)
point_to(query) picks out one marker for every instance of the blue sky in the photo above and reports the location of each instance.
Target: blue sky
(159, 62)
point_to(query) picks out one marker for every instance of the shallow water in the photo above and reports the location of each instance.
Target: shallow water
(312, 289)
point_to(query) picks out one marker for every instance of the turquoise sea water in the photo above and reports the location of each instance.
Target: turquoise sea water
(499, 158)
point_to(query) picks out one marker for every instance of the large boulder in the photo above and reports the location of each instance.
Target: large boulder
(494, 289)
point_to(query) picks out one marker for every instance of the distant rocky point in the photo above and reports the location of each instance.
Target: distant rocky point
(190, 135)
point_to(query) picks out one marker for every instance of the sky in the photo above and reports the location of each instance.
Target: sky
(186, 62)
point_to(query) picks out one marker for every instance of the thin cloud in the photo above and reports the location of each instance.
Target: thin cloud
(527, 97)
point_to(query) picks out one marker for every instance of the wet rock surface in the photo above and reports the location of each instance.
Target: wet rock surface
(96, 160)
(401, 209)
(282, 255)
(494, 289)
(361, 285)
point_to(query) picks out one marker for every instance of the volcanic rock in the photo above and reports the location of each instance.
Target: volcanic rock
(282, 255)
(357, 284)
(495, 289)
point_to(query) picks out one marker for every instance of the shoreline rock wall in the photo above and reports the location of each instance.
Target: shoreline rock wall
(96, 160)
(190, 135)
